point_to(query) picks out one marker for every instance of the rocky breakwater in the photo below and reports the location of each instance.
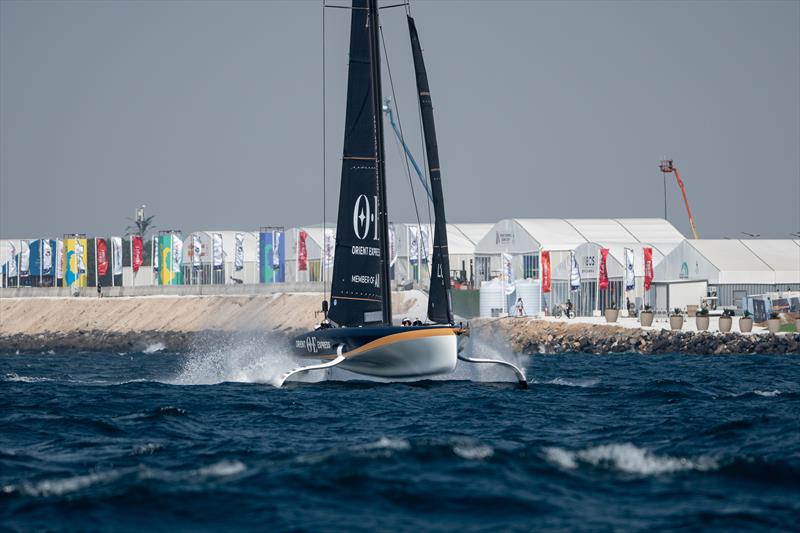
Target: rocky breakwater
(530, 336)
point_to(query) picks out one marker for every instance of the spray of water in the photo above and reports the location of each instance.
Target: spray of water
(263, 358)
(244, 358)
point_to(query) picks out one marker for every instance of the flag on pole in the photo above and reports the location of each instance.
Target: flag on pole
(116, 254)
(508, 273)
(24, 258)
(155, 252)
(546, 271)
(413, 245)
(59, 259)
(197, 250)
(238, 258)
(47, 258)
(424, 243)
(630, 278)
(12, 260)
(302, 252)
(648, 268)
(216, 240)
(276, 250)
(603, 269)
(392, 245)
(80, 250)
(177, 254)
(138, 253)
(102, 257)
(330, 245)
(575, 273)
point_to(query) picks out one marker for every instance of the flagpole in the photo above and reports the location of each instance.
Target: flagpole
(153, 259)
(19, 262)
(41, 261)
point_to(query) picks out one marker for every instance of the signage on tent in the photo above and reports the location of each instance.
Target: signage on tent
(684, 271)
(503, 238)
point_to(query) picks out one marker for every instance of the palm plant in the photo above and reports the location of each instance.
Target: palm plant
(141, 226)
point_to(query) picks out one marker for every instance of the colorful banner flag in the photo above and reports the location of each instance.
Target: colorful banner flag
(630, 278)
(574, 273)
(116, 255)
(330, 245)
(546, 281)
(238, 257)
(102, 257)
(138, 253)
(164, 246)
(216, 243)
(648, 268)
(302, 252)
(24, 258)
(197, 250)
(75, 262)
(603, 275)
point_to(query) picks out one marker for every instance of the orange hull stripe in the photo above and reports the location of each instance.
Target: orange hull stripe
(400, 337)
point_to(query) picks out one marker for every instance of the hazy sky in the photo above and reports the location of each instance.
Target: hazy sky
(211, 112)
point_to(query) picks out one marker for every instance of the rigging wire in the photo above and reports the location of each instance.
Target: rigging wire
(324, 159)
(402, 138)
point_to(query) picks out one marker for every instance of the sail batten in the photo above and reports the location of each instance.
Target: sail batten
(359, 283)
(440, 308)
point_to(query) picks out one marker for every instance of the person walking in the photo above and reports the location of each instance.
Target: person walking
(520, 307)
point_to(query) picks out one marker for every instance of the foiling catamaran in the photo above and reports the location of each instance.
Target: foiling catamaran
(358, 334)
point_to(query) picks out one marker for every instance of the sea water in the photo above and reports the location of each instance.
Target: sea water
(159, 441)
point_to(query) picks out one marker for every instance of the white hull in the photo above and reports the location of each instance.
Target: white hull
(406, 357)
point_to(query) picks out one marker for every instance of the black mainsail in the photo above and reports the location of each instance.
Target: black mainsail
(360, 289)
(440, 309)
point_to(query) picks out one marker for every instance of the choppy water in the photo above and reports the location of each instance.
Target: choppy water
(158, 441)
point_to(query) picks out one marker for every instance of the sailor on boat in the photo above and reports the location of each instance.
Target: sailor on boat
(357, 333)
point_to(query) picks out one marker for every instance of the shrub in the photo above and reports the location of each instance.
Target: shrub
(746, 314)
(728, 313)
(703, 311)
(774, 315)
(677, 312)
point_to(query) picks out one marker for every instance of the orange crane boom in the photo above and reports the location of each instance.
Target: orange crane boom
(667, 167)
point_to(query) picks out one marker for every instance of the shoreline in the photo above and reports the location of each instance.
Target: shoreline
(176, 323)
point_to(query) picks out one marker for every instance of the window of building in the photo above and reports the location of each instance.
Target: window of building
(482, 268)
(530, 266)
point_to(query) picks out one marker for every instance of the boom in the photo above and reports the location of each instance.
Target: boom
(667, 167)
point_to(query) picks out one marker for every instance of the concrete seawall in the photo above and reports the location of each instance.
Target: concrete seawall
(530, 336)
(178, 322)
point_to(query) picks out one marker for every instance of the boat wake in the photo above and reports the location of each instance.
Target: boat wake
(266, 360)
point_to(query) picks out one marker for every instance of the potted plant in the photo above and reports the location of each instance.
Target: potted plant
(726, 321)
(646, 316)
(746, 322)
(612, 313)
(701, 319)
(774, 322)
(676, 319)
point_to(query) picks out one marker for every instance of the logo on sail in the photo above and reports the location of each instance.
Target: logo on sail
(362, 217)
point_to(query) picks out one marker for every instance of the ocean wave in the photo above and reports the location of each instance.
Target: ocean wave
(767, 394)
(156, 347)
(626, 458)
(582, 383)
(473, 451)
(12, 377)
(63, 486)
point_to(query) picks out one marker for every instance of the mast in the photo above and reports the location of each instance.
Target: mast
(440, 308)
(380, 155)
(360, 289)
